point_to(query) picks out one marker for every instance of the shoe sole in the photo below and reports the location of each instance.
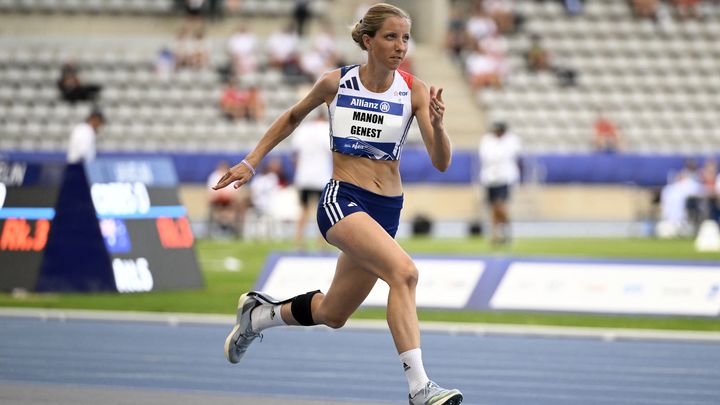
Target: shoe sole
(233, 336)
(454, 400)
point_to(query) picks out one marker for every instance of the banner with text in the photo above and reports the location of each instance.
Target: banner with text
(523, 284)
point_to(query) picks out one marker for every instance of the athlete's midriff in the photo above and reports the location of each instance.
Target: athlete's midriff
(377, 176)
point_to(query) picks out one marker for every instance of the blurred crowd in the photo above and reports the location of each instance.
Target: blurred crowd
(691, 196)
(476, 38)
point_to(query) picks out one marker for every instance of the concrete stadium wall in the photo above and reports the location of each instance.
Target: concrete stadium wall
(466, 203)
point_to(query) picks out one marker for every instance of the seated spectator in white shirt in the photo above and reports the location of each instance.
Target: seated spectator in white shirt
(242, 47)
(283, 49)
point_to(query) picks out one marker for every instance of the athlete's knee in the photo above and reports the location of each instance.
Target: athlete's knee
(330, 317)
(334, 321)
(405, 275)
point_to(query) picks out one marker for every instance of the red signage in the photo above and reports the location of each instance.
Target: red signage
(18, 235)
(174, 233)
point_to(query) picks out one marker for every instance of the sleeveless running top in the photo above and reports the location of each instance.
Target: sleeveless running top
(367, 124)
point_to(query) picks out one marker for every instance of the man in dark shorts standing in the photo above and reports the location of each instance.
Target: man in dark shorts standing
(313, 169)
(499, 170)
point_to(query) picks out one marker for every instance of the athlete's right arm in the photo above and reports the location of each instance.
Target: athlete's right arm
(323, 91)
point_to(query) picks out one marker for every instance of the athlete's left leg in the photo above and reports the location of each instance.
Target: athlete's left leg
(349, 288)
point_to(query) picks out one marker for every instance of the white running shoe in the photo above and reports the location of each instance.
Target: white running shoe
(238, 341)
(433, 394)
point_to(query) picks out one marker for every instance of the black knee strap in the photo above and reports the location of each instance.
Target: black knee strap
(301, 308)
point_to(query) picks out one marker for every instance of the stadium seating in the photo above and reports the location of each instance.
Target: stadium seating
(144, 111)
(145, 7)
(657, 81)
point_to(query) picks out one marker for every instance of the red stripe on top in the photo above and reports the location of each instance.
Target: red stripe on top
(407, 77)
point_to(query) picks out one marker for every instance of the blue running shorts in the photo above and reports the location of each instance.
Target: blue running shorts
(340, 199)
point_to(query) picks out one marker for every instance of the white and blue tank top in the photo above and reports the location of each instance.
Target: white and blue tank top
(367, 124)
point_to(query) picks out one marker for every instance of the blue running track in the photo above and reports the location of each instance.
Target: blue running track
(317, 365)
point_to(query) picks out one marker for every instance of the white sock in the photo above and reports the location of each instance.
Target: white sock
(266, 316)
(414, 370)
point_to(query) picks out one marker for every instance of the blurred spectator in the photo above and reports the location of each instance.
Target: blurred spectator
(271, 202)
(573, 7)
(694, 201)
(313, 64)
(326, 43)
(715, 199)
(191, 50)
(709, 180)
(321, 57)
(165, 63)
(226, 208)
(242, 48)
(72, 89)
(537, 57)
(215, 9)
(708, 175)
(676, 203)
(483, 70)
(232, 6)
(606, 138)
(265, 185)
(501, 11)
(687, 8)
(496, 46)
(283, 51)
(645, 9)
(499, 170)
(301, 13)
(240, 104)
(480, 24)
(194, 18)
(456, 35)
(81, 147)
(313, 169)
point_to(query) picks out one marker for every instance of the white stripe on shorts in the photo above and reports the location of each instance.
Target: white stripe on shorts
(326, 204)
(335, 203)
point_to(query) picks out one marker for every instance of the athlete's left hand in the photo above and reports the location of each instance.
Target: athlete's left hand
(437, 107)
(238, 176)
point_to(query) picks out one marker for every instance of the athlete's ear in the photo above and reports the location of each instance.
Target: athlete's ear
(366, 41)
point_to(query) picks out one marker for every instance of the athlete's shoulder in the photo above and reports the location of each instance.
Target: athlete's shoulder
(420, 92)
(408, 77)
(329, 81)
(346, 69)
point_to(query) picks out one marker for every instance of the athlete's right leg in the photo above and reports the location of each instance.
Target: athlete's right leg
(366, 243)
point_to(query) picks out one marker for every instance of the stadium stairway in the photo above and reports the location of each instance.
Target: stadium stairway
(464, 121)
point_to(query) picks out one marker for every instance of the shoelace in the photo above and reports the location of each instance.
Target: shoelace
(252, 335)
(426, 390)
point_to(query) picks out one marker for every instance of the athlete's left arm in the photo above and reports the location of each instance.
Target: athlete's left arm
(429, 109)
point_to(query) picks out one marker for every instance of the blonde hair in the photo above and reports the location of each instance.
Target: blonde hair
(373, 20)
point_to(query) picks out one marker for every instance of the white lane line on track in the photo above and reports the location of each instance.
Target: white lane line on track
(172, 319)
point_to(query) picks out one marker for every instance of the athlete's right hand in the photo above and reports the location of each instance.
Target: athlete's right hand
(239, 174)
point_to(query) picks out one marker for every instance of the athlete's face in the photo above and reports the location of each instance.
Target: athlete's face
(390, 43)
